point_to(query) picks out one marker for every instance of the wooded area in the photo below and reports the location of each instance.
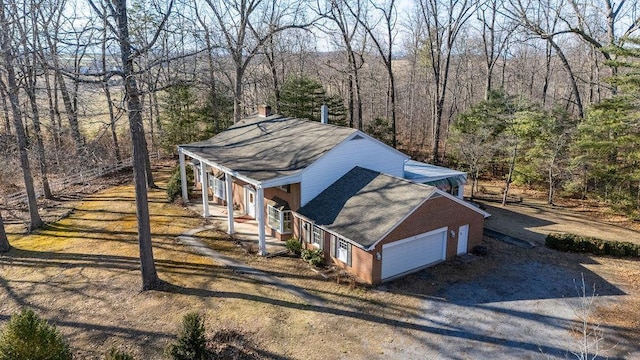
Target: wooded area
(543, 93)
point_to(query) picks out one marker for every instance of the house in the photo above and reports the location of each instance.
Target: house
(379, 226)
(275, 168)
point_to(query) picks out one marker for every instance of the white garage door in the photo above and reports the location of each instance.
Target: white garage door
(413, 253)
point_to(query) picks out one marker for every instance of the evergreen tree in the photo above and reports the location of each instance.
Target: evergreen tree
(187, 119)
(28, 337)
(302, 97)
(609, 136)
(475, 135)
(381, 130)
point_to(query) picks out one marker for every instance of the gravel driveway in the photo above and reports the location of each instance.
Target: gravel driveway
(527, 310)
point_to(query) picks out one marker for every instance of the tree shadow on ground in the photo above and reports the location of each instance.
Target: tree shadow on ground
(373, 319)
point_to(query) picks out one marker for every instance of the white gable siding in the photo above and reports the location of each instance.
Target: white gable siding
(333, 165)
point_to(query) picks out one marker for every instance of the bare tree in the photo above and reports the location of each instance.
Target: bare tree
(533, 15)
(384, 45)
(118, 11)
(29, 66)
(51, 32)
(245, 26)
(444, 20)
(12, 89)
(585, 21)
(4, 241)
(113, 117)
(5, 111)
(337, 12)
(496, 32)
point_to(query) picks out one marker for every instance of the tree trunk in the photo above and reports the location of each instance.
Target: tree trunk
(42, 160)
(72, 114)
(112, 121)
(5, 109)
(52, 115)
(4, 241)
(147, 161)
(237, 95)
(392, 96)
(149, 275)
(512, 166)
(12, 92)
(107, 93)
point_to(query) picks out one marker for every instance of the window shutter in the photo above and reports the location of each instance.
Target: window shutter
(349, 254)
(333, 246)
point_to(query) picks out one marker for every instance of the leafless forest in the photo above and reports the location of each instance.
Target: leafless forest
(539, 92)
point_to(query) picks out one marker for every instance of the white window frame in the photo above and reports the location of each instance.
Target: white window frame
(219, 188)
(277, 220)
(316, 237)
(342, 250)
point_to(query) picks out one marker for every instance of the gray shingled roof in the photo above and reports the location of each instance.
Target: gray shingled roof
(266, 148)
(364, 204)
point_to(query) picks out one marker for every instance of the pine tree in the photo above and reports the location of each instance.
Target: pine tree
(609, 136)
(302, 97)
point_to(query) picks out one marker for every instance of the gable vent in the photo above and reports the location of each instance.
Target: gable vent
(357, 137)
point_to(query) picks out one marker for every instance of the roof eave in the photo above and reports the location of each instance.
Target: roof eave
(227, 170)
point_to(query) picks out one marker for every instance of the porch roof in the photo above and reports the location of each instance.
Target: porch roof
(264, 148)
(420, 172)
(364, 205)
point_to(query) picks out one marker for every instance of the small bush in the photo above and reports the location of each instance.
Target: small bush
(191, 343)
(174, 186)
(314, 257)
(584, 244)
(28, 337)
(294, 246)
(115, 354)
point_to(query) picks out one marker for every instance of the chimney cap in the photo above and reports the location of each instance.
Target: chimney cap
(264, 110)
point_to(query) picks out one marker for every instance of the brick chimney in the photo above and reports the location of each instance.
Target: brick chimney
(264, 110)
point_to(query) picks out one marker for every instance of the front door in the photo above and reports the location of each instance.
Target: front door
(250, 201)
(463, 239)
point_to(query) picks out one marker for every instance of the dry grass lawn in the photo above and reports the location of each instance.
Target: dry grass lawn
(82, 273)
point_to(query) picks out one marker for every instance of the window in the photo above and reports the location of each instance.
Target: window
(343, 251)
(218, 186)
(317, 237)
(285, 188)
(280, 220)
(286, 222)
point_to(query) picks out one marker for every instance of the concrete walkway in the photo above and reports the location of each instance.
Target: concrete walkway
(188, 238)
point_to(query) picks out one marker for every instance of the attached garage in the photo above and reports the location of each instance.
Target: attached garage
(414, 253)
(380, 227)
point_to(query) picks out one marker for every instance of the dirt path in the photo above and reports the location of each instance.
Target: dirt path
(532, 220)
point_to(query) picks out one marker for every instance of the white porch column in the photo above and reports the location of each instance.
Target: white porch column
(205, 189)
(461, 191)
(260, 217)
(183, 176)
(229, 192)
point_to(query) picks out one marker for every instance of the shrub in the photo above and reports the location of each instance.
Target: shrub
(314, 257)
(191, 342)
(28, 337)
(174, 186)
(584, 244)
(115, 354)
(294, 246)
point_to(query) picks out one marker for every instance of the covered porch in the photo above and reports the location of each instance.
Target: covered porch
(245, 228)
(241, 203)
